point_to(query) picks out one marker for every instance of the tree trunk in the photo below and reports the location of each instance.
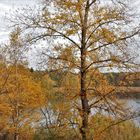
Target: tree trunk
(5, 136)
(16, 136)
(85, 107)
(83, 94)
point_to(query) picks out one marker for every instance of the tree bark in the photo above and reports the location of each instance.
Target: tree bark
(83, 94)
(16, 136)
(85, 105)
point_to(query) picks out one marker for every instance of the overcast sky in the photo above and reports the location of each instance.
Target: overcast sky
(8, 6)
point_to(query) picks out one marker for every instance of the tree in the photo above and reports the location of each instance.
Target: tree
(59, 114)
(19, 102)
(90, 36)
(20, 95)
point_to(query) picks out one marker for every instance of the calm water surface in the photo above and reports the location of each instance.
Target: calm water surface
(134, 104)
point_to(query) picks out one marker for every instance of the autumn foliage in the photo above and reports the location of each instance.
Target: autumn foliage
(71, 94)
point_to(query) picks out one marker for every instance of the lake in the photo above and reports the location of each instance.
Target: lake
(134, 104)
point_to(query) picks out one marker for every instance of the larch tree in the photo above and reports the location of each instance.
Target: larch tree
(20, 95)
(84, 37)
(19, 102)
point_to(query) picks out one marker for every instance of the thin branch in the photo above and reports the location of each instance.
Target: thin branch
(115, 41)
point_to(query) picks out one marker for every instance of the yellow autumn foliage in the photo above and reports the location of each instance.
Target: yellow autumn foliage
(20, 95)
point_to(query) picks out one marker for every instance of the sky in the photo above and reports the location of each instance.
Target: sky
(8, 6)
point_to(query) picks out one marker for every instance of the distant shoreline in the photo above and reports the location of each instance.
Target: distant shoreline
(128, 92)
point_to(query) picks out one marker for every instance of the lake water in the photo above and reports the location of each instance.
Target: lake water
(134, 104)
